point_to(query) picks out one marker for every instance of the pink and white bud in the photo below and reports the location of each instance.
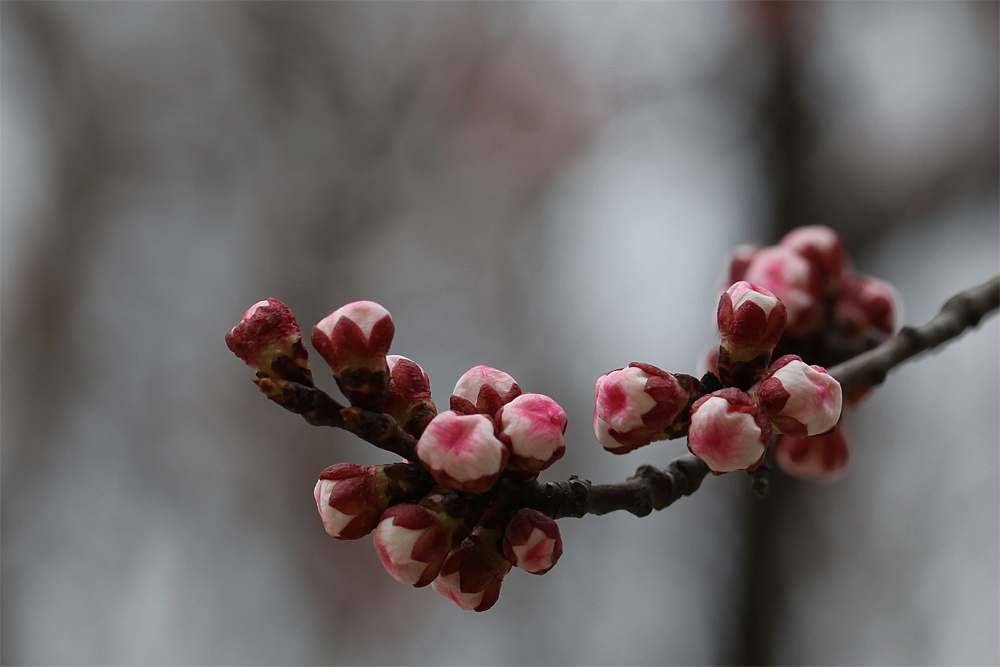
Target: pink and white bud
(354, 340)
(728, 431)
(821, 246)
(473, 572)
(737, 263)
(269, 341)
(532, 542)
(348, 500)
(800, 400)
(794, 281)
(636, 405)
(412, 543)
(532, 426)
(751, 321)
(821, 458)
(462, 452)
(867, 305)
(408, 395)
(483, 390)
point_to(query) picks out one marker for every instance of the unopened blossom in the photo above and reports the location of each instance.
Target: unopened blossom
(462, 452)
(473, 572)
(822, 458)
(728, 431)
(867, 305)
(821, 246)
(738, 261)
(794, 281)
(408, 395)
(483, 390)
(532, 425)
(354, 340)
(532, 542)
(799, 399)
(348, 501)
(636, 405)
(412, 542)
(269, 341)
(751, 321)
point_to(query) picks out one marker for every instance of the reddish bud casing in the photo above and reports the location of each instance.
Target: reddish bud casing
(821, 246)
(794, 280)
(532, 542)
(408, 395)
(412, 542)
(483, 390)
(532, 426)
(462, 452)
(867, 305)
(269, 341)
(354, 340)
(473, 572)
(751, 321)
(821, 458)
(799, 399)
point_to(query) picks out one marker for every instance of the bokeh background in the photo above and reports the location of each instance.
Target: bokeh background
(547, 188)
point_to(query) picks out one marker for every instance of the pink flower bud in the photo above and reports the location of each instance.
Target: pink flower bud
(794, 281)
(799, 399)
(408, 395)
(412, 542)
(728, 431)
(532, 426)
(268, 340)
(483, 390)
(868, 305)
(751, 320)
(821, 246)
(738, 262)
(462, 452)
(354, 340)
(532, 542)
(473, 572)
(635, 405)
(348, 500)
(822, 458)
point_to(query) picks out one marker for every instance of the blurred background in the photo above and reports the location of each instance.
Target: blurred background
(548, 188)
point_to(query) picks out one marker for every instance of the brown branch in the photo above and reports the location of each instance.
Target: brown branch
(650, 488)
(962, 311)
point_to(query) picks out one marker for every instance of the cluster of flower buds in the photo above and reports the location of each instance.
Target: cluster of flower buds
(728, 428)
(434, 520)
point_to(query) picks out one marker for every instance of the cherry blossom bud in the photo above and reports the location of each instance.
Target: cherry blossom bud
(821, 246)
(532, 426)
(351, 498)
(799, 399)
(354, 340)
(822, 458)
(412, 542)
(751, 321)
(728, 431)
(483, 390)
(408, 395)
(794, 281)
(462, 452)
(532, 542)
(867, 305)
(738, 262)
(636, 405)
(268, 340)
(473, 572)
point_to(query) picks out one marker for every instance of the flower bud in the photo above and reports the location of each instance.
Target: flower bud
(532, 426)
(821, 458)
(532, 542)
(462, 452)
(794, 281)
(268, 340)
(352, 498)
(728, 431)
(408, 395)
(354, 340)
(821, 246)
(738, 262)
(635, 405)
(751, 321)
(483, 390)
(473, 572)
(799, 399)
(412, 542)
(867, 305)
